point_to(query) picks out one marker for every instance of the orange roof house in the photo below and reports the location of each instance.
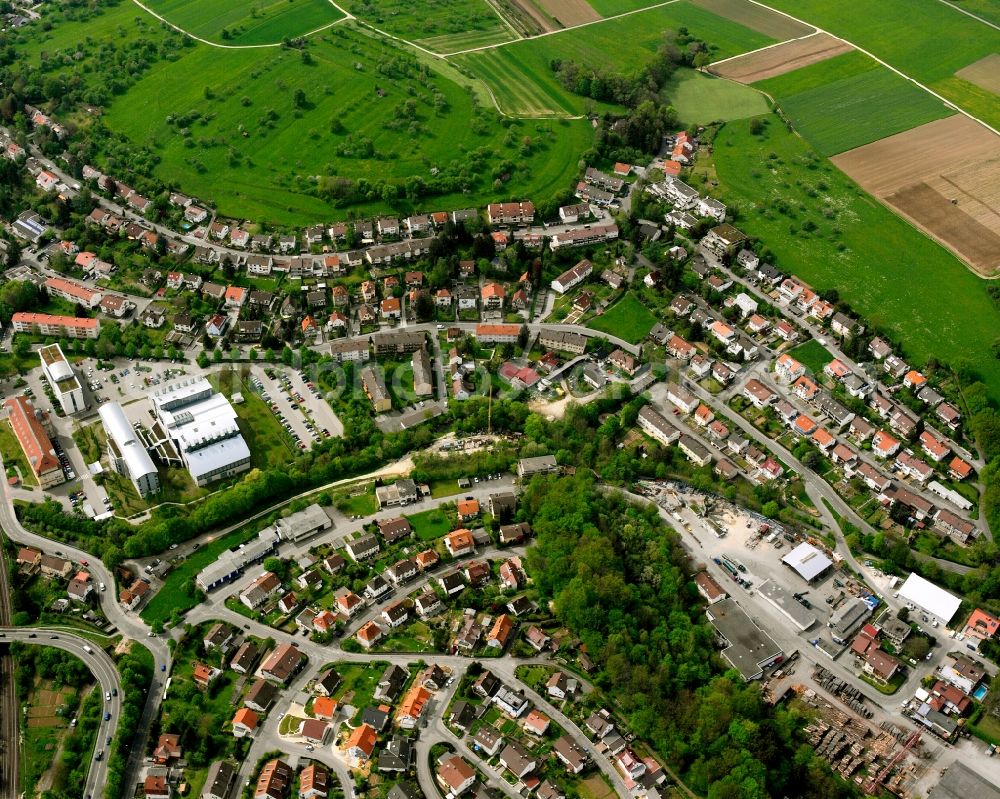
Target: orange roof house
(459, 542)
(468, 509)
(324, 708)
(361, 742)
(413, 706)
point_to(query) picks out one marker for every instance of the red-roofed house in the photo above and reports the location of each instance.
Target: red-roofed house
(982, 625)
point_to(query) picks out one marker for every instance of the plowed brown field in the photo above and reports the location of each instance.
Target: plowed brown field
(780, 59)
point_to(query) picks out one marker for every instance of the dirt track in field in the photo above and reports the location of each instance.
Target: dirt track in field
(780, 59)
(569, 12)
(945, 178)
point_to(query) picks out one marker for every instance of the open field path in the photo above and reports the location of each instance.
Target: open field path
(885, 64)
(968, 13)
(179, 29)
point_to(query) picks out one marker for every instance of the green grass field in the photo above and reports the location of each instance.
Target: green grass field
(430, 525)
(628, 319)
(987, 9)
(859, 109)
(440, 25)
(251, 149)
(260, 23)
(522, 80)
(812, 355)
(700, 98)
(904, 33)
(888, 271)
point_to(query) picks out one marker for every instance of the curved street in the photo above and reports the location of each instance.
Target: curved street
(103, 668)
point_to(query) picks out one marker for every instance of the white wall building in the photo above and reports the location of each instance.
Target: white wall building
(62, 379)
(126, 453)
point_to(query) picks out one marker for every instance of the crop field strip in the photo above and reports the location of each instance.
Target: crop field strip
(896, 171)
(888, 270)
(903, 33)
(431, 20)
(984, 73)
(268, 24)
(785, 57)
(569, 12)
(521, 77)
(757, 18)
(850, 100)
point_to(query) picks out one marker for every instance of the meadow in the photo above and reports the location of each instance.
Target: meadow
(700, 98)
(812, 355)
(904, 33)
(521, 77)
(847, 113)
(441, 25)
(236, 135)
(628, 319)
(822, 227)
(261, 23)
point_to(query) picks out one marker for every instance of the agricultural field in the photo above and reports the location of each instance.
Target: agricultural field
(757, 18)
(700, 98)
(239, 137)
(567, 13)
(440, 25)
(520, 74)
(903, 32)
(823, 228)
(987, 9)
(786, 57)
(957, 200)
(849, 101)
(628, 319)
(985, 74)
(233, 22)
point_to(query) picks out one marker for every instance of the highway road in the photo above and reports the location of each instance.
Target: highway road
(103, 668)
(10, 744)
(130, 625)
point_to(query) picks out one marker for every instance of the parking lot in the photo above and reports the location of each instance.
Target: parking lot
(297, 404)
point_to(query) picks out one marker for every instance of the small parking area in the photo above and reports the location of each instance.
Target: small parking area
(297, 404)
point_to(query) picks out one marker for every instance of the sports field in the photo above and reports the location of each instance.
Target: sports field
(236, 136)
(628, 319)
(926, 39)
(268, 22)
(446, 24)
(700, 98)
(822, 227)
(849, 101)
(520, 74)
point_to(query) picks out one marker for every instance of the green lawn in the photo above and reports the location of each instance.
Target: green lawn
(700, 98)
(270, 445)
(363, 504)
(441, 25)
(859, 109)
(174, 596)
(429, 525)
(888, 271)
(358, 683)
(522, 79)
(926, 39)
(13, 455)
(628, 319)
(260, 23)
(812, 354)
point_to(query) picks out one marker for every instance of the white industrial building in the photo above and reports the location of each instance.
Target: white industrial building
(200, 425)
(934, 601)
(62, 379)
(230, 564)
(807, 561)
(303, 524)
(126, 453)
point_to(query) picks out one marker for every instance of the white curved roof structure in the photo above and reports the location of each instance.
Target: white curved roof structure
(133, 452)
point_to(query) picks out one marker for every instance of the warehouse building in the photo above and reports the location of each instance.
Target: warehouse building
(748, 648)
(807, 561)
(197, 426)
(934, 601)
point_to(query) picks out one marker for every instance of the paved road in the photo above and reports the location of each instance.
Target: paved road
(103, 668)
(129, 624)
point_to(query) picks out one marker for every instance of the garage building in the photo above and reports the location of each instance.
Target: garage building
(808, 561)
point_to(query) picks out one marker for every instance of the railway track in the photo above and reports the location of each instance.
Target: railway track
(9, 737)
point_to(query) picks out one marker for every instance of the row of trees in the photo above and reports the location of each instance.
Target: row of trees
(617, 577)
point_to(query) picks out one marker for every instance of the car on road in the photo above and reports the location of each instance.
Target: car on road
(100, 755)
(163, 667)
(107, 716)
(107, 696)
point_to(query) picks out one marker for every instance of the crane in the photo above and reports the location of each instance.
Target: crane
(873, 783)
